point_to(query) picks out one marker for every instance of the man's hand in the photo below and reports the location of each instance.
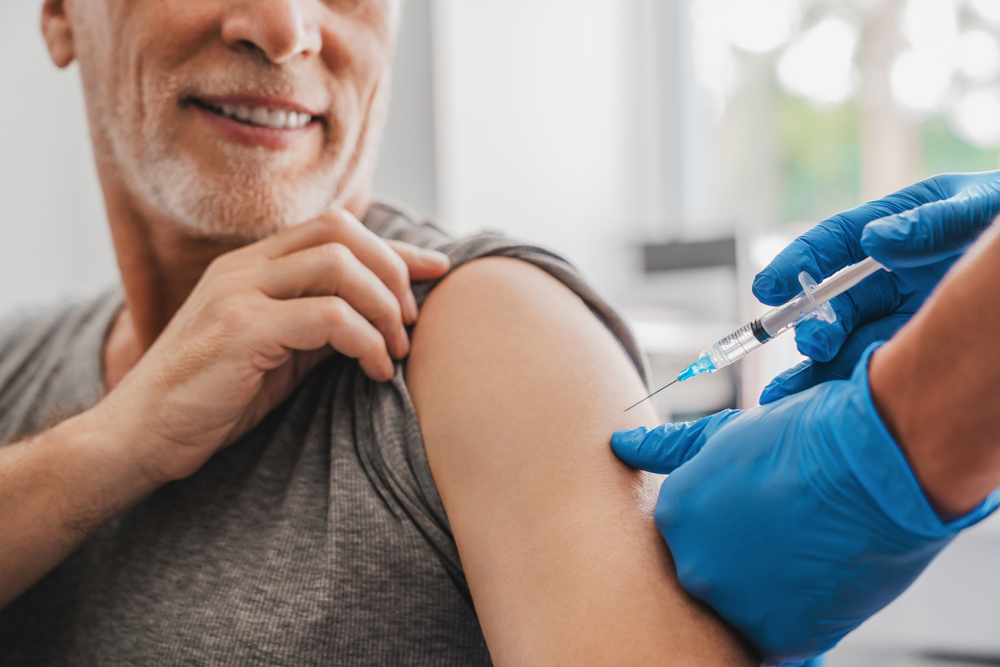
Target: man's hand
(257, 322)
(918, 232)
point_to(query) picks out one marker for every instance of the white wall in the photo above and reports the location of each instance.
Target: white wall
(407, 168)
(542, 126)
(53, 239)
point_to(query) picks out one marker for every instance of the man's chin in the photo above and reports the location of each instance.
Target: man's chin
(229, 233)
(244, 213)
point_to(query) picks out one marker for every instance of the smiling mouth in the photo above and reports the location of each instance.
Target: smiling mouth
(272, 119)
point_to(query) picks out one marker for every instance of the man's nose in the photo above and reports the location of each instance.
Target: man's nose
(278, 28)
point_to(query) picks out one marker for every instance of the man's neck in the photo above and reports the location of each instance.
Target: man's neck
(160, 264)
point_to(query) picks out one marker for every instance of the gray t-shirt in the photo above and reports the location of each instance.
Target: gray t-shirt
(317, 539)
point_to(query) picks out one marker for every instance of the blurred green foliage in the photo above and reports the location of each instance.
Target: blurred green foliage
(941, 151)
(821, 157)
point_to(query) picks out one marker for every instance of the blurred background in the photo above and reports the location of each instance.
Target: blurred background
(668, 148)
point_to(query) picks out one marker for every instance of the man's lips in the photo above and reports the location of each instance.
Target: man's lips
(267, 122)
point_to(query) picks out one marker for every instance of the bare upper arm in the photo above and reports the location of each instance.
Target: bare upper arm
(518, 389)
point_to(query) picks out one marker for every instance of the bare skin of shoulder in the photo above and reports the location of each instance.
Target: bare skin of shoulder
(518, 389)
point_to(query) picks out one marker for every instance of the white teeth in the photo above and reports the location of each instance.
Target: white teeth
(260, 116)
(277, 119)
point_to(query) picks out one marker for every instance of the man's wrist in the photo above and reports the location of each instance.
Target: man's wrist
(106, 437)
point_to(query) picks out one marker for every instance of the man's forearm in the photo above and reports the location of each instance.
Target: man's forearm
(937, 385)
(56, 489)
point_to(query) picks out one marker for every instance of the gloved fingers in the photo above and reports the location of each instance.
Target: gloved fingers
(820, 340)
(810, 373)
(824, 249)
(933, 231)
(833, 244)
(876, 296)
(799, 377)
(667, 447)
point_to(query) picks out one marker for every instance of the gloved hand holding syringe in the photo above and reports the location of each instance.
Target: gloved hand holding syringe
(799, 519)
(812, 302)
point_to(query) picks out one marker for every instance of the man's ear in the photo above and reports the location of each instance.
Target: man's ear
(57, 29)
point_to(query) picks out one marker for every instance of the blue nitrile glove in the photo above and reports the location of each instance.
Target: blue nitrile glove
(918, 232)
(796, 521)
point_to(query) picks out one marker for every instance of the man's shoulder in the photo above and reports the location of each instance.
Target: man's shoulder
(34, 326)
(399, 223)
(31, 327)
(504, 336)
(503, 306)
(495, 276)
(497, 292)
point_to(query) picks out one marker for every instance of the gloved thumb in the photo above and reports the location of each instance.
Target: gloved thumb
(932, 232)
(667, 447)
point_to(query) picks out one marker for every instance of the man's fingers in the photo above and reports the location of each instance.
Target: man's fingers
(339, 226)
(934, 231)
(332, 269)
(329, 227)
(668, 446)
(423, 263)
(311, 323)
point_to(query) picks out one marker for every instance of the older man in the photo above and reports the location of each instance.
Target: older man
(221, 462)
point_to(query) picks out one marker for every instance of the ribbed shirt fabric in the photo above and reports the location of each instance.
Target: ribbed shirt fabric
(317, 539)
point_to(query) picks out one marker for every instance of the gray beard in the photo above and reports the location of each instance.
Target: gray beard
(254, 199)
(248, 204)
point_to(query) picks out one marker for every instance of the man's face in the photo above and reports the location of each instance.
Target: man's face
(235, 117)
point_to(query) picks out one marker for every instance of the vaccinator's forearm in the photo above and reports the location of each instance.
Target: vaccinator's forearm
(937, 384)
(56, 489)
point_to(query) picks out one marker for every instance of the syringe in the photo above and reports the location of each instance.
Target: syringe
(812, 302)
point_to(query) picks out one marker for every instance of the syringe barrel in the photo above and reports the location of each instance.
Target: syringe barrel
(810, 302)
(778, 320)
(737, 345)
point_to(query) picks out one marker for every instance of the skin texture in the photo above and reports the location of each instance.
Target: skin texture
(518, 389)
(936, 384)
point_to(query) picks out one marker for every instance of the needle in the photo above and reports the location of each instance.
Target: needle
(651, 395)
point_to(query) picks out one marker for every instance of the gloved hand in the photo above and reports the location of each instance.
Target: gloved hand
(796, 521)
(918, 232)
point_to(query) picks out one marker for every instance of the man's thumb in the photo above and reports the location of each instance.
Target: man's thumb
(665, 448)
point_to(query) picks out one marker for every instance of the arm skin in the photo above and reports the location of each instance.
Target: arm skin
(518, 389)
(59, 487)
(936, 384)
